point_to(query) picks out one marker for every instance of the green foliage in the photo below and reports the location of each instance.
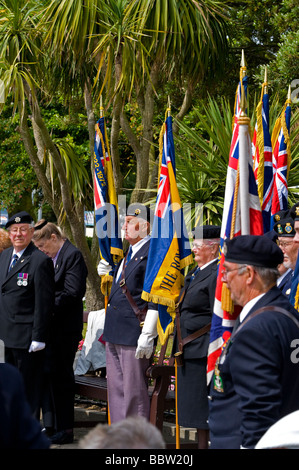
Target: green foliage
(203, 151)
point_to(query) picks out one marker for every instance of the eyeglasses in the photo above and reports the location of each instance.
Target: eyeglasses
(225, 272)
(200, 245)
(15, 230)
(284, 244)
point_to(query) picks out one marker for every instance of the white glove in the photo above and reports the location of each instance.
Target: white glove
(36, 346)
(145, 344)
(103, 267)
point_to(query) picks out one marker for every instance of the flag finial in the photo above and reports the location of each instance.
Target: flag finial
(266, 80)
(289, 94)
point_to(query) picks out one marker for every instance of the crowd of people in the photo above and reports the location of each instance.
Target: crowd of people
(255, 383)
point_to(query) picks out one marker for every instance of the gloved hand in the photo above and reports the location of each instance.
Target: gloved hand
(36, 346)
(103, 267)
(145, 344)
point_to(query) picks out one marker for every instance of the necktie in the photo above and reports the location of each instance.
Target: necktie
(194, 274)
(129, 256)
(14, 261)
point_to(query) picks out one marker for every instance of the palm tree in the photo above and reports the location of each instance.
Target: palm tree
(24, 68)
(152, 40)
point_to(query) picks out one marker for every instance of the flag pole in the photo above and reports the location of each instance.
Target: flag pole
(244, 151)
(177, 427)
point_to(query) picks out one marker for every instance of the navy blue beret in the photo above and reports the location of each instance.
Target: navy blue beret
(206, 231)
(280, 215)
(285, 227)
(294, 211)
(19, 218)
(255, 250)
(140, 210)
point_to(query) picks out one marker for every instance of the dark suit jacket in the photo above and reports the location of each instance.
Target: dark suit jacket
(121, 324)
(25, 310)
(70, 287)
(259, 375)
(197, 308)
(18, 429)
(286, 284)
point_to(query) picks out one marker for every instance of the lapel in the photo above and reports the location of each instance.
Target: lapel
(21, 264)
(59, 262)
(201, 276)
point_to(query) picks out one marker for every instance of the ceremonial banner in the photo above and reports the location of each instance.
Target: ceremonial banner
(281, 159)
(169, 250)
(106, 207)
(262, 158)
(225, 314)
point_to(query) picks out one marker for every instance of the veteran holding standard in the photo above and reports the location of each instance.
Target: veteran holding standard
(26, 304)
(191, 339)
(255, 381)
(130, 324)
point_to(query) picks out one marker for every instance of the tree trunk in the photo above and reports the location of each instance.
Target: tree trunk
(75, 221)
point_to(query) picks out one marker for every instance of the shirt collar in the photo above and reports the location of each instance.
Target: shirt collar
(249, 306)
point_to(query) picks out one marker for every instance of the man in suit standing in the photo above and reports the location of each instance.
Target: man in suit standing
(66, 331)
(130, 323)
(255, 380)
(26, 304)
(193, 321)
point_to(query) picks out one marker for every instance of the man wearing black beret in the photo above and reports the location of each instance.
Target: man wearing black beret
(191, 339)
(26, 304)
(130, 322)
(284, 228)
(255, 380)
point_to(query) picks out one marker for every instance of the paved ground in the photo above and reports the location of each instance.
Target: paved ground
(90, 415)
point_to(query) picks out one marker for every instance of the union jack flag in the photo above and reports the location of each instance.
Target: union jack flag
(169, 250)
(262, 158)
(105, 202)
(281, 159)
(225, 314)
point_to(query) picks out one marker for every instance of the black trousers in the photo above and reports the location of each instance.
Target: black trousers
(31, 367)
(63, 382)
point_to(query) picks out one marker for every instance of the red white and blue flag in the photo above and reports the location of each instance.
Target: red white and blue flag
(169, 250)
(105, 202)
(281, 159)
(262, 159)
(225, 314)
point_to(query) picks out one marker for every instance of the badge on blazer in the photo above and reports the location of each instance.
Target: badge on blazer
(22, 279)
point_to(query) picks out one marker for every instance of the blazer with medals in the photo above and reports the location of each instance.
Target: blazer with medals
(70, 287)
(121, 324)
(27, 297)
(196, 309)
(260, 381)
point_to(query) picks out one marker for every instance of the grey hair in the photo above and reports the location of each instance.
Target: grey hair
(130, 433)
(269, 276)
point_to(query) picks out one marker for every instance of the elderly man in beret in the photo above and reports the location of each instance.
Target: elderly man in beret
(26, 304)
(191, 339)
(130, 323)
(284, 228)
(256, 380)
